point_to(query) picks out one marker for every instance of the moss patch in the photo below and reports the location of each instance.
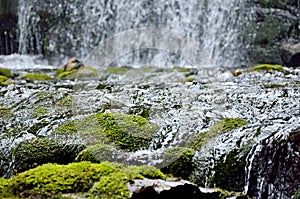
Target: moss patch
(128, 132)
(3, 78)
(5, 188)
(178, 161)
(98, 153)
(36, 76)
(5, 72)
(31, 153)
(118, 71)
(107, 180)
(65, 74)
(267, 67)
(218, 128)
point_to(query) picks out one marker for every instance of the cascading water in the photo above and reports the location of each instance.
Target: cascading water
(63, 28)
(60, 29)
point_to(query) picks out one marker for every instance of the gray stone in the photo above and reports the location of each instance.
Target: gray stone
(290, 55)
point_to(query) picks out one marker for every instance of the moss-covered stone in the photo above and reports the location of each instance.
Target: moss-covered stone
(5, 72)
(3, 78)
(36, 76)
(178, 161)
(227, 124)
(230, 172)
(128, 132)
(5, 188)
(118, 71)
(82, 72)
(98, 153)
(267, 67)
(31, 153)
(107, 180)
(297, 194)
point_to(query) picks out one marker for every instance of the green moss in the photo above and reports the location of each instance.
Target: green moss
(53, 179)
(105, 180)
(87, 127)
(267, 67)
(83, 72)
(114, 186)
(59, 71)
(297, 194)
(36, 76)
(5, 188)
(98, 153)
(41, 111)
(227, 124)
(188, 79)
(31, 153)
(3, 78)
(180, 69)
(66, 101)
(65, 74)
(5, 113)
(129, 132)
(5, 72)
(178, 161)
(118, 71)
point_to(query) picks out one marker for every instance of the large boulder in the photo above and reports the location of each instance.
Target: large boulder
(290, 55)
(272, 24)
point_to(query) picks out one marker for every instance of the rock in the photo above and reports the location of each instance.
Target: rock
(32, 153)
(107, 180)
(178, 161)
(175, 189)
(236, 73)
(5, 72)
(72, 64)
(290, 55)
(275, 168)
(127, 132)
(164, 189)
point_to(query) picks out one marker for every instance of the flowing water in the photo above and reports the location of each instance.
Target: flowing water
(269, 101)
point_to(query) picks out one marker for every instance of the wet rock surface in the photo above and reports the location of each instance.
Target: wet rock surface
(267, 100)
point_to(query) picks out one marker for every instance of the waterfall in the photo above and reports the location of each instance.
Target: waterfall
(74, 28)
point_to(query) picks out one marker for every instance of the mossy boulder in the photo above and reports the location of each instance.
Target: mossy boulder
(267, 67)
(226, 124)
(81, 73)
(4, 82)
(31, 153)
(98, 153)
(36, 76)
(6, 72)
(230, 172)
(5, 188)
(178, 161)
(107, 180)
(128, 132)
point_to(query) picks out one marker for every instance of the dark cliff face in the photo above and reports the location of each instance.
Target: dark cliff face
(273, 23)
(8, 27)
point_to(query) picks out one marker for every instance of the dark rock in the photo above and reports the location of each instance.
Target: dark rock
(290, 55)
(162, 189)
(275, 170)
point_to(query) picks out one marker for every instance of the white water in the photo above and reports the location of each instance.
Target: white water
(78, 27)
